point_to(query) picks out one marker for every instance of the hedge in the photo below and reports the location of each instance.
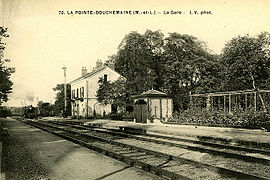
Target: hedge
(248, 119)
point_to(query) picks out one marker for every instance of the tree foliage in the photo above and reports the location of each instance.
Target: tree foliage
(60, 100)
(174, 64)
(181, 64)
(139, 60)
(112, 92)
(189, 67)
(46, 109)
(5, 72)
(246, 62)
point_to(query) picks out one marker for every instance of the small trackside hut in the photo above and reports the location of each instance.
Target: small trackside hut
(152, 106)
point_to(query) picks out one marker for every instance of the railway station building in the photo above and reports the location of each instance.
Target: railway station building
(84, 101)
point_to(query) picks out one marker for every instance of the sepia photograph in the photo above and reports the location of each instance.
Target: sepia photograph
(134, 90)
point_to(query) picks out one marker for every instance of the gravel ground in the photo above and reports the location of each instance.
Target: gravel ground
(203, 146)
(19, 163)
(187, 170)
(247, 167)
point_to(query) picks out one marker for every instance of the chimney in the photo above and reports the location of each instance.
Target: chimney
(98, 63)
(84, 71)
(111, 65)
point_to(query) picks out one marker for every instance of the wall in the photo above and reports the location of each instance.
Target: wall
(78, 107)
(92, 88)
(154, 107)
(93, 80)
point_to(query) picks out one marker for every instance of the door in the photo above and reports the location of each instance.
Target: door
(144, 113)
(140, 111)
(78, 110)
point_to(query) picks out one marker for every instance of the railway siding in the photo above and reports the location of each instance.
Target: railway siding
(156, 148)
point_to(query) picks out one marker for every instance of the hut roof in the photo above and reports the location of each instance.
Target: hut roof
(151, 93)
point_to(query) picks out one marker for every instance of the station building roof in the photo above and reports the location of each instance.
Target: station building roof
(91, 73)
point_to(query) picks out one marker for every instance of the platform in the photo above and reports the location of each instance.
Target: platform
(237, 135)
(30, 153)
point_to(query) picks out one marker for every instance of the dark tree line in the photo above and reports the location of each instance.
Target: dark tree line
(181, 64)
(60, 100)
(46, 109)
(5, 72)
(57, 109)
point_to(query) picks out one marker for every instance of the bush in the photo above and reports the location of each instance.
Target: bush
(5, 113)
(248, 119)
(120, 116)
(115, 116)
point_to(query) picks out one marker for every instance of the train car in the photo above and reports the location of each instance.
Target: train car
(30, 112)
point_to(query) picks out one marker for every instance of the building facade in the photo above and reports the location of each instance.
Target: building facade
(84, 90)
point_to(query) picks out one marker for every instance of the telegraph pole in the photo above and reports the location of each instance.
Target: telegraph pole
(65, 87)
(87, 98)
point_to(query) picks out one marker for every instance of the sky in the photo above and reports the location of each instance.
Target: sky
(42, 40)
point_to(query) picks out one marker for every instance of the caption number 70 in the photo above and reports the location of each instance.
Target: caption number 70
(61, 12)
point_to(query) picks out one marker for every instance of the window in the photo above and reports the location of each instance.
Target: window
(105, 78)
(73, 94)
(82, 92)
(77, 95)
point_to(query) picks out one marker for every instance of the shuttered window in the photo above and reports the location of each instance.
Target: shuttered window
(82, 92)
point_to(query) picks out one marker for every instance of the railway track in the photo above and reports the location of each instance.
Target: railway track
(115, 144)
(239, 152)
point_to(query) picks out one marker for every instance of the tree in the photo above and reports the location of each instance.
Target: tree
(60, 100)
(187, 67)
(246, 62)
(5, 72)
(177, 65)
(210, 76)
(139, 61)
(111, 59)
(155, 60)
(113, 93)
(46, 109)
